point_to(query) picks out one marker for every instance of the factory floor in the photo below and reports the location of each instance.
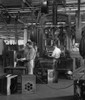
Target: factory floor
(63, 90)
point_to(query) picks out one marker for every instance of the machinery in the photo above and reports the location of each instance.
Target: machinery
(79, 84)
(47, 35)
(79, 71)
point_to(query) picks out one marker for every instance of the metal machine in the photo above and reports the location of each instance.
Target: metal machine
(79, 71)
(47, 35)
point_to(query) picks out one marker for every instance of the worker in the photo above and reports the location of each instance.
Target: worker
(30, 54)
(2, 55)
(56, 55)
(3, 50)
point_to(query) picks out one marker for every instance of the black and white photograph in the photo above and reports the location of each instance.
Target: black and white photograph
(42, 54)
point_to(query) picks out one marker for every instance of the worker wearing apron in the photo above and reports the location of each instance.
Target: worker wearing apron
(30, 54)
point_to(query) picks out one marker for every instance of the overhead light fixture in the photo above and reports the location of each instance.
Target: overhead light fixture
(24, 1)
(44, 7)
(45, 2)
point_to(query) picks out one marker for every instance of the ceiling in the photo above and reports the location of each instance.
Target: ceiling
(15, 14)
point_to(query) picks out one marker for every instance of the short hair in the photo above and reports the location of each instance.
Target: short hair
(29, 42)
(56, 42)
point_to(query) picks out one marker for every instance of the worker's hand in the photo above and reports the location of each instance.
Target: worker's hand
(22, 59)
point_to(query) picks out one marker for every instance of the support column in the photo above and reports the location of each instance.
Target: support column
(78, 23)
(68, 46)
(54, 15)
(69, 41)
(16, 35)
(25, 35)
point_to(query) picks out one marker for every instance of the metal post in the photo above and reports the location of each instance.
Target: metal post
(25, 35)
(78, 13)
(16, 35)
(54, 15)
(78, 23)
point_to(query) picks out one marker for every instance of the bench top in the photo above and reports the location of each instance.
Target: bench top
(15, 67)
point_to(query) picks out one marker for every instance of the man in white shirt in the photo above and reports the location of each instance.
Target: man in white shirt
(56, 55)
(56, 52)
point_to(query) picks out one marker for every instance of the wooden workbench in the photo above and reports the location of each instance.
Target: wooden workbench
(17, 70)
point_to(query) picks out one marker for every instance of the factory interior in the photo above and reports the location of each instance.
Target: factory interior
(43, 24)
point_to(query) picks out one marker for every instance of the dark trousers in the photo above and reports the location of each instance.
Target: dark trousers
(55, 71)
(1, 59)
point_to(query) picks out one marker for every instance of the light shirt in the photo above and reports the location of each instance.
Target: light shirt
(29, 53)
(56, 53)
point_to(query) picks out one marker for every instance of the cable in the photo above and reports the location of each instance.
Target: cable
(56, 88)
(64, 87)
(60, 88)
(50, 86)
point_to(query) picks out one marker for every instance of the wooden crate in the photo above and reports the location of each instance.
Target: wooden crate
(28, 84)
(50, 75)
(8, 84)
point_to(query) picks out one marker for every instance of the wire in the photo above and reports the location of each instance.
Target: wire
(50, 86)
(60, 88)
(64, 87)
(68, 86)
(56, 88)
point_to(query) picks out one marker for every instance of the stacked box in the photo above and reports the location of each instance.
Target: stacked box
(41, 76)
(28, 84)
(50, 75)
(8, 84)
(41, 70)
(19, 84)
(3, 84)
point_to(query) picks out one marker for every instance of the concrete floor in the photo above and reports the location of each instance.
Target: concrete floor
(63, 90)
